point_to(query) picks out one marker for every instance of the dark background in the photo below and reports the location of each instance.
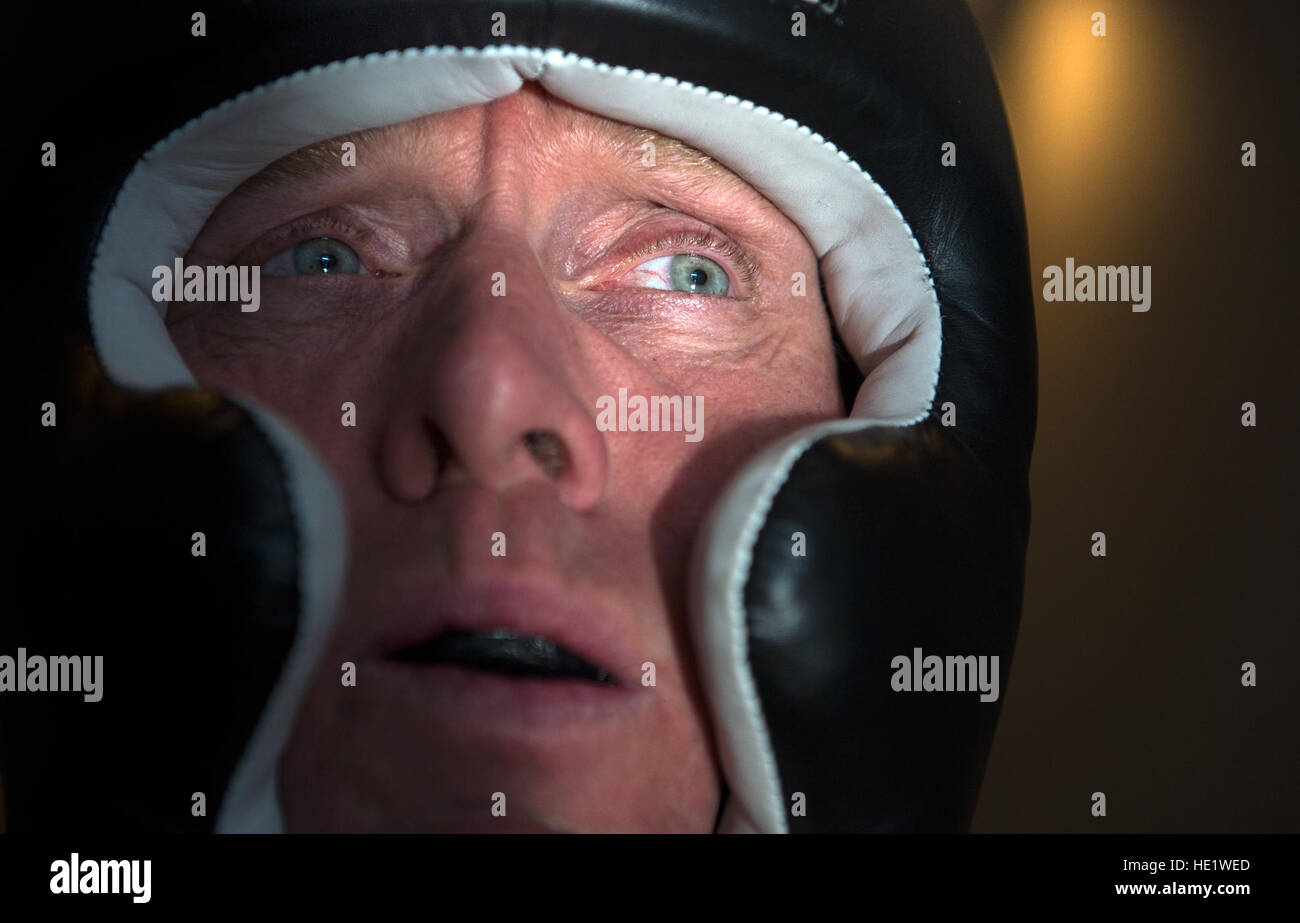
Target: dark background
(1127, 674)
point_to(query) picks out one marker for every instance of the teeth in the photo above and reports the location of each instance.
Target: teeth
(506, 652)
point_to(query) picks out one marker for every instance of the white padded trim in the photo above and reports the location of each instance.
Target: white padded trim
(724, 555)
(251, 803)
(876, 278)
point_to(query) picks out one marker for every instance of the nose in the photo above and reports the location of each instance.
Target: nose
(488, 389)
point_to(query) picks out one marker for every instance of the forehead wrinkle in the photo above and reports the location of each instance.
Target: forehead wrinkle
(689, 173)
(676, 163)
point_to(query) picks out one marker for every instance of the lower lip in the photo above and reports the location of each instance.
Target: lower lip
(483, 699)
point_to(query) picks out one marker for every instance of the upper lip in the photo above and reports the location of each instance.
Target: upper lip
(529, 609)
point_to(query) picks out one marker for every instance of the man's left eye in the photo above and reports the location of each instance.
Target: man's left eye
(682, 272)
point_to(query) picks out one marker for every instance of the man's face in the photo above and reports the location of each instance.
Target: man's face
(473, 287)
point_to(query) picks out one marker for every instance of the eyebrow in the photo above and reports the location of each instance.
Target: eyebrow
(699, 173)
(322, 159)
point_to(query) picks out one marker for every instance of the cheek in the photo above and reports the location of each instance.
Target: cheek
(299, 383)
(679, 481)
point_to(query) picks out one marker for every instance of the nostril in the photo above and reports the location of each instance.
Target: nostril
(442, 449)
(549, 451)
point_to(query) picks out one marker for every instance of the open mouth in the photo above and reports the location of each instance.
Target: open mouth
(508, 653)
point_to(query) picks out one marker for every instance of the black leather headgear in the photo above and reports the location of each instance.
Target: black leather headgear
(915, 507)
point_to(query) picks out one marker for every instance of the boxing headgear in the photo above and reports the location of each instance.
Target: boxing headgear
(913, 510)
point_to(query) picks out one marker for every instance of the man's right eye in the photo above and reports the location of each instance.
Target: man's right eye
(317, 256)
